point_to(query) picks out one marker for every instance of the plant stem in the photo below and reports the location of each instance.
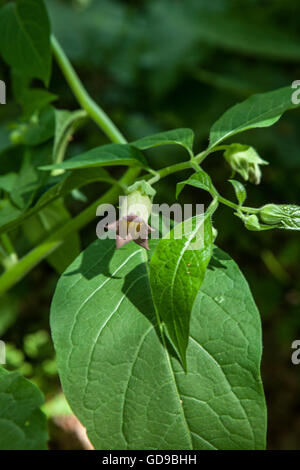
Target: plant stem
(196, 166)
(193, 163)
(202, 155)
(169, 170)
(82, 96)
(212, 207)
(226, 202)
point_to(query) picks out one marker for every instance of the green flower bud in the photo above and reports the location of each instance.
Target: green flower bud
(137, 204)
(285, 215)
(143, 187)
(252, 223)
(245, 160)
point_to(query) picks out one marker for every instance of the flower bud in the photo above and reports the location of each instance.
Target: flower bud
(246, 161)
(285, 215)
(137, 204)
(252, 223)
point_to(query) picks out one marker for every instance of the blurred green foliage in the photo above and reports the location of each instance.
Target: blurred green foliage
(159, 64)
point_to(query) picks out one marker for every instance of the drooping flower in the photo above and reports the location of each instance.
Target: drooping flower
(246, 161)
(131, 228)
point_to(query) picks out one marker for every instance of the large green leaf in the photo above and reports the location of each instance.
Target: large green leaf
(106, 155)
(22, 424)
(261, 110)
(183, 137)
(177, 270)
(25, 38)
(127, 388)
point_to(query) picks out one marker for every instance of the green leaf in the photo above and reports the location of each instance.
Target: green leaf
(32, 100)
(25, 38)
(126, 388)
(30, 179)
(35, 99)
(240, 190)
(177, 270)
(9, 309)
(22, 424)
(66, 123)
(106, 155)
(183, 137)
(41, 225)
(37, 130)
(199, 180)
(11, 218)
(261, 110)
(74, 180)
(8, 181)
(8, 213)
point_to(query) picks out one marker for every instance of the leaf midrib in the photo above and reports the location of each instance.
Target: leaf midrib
(145, 260)
(247, 123)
